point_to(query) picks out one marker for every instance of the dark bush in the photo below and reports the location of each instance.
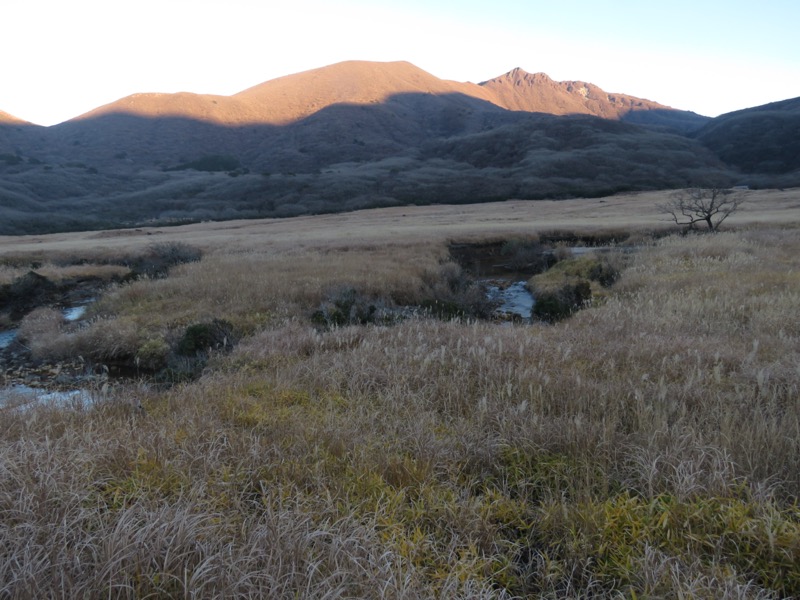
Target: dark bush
(159, 258)
(345, 307)
(202, 337)
(558, 304)
(26, 293)
(445, 309)
(604, 273)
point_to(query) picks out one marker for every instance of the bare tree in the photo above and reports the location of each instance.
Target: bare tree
(702, 205)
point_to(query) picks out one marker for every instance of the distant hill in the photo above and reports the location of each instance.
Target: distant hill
(518, 90)
(351, 135)
(350, 111)
(289, 99)
(763, 139)
(8, 119)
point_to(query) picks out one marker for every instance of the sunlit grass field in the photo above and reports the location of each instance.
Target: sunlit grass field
(646, 447)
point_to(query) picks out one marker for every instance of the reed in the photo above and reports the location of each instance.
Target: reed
(648, 446)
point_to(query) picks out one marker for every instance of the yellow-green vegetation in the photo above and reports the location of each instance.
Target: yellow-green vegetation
(646, 447)
(571, 284)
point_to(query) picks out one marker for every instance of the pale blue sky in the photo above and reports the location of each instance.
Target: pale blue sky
(61, 59)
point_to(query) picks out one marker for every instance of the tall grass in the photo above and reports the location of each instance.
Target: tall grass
(649, 446)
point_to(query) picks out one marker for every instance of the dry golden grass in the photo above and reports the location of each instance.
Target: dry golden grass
(406, 225)
(648, 446)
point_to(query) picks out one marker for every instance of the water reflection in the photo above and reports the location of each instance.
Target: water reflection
(23, 396)
(74, 313)
(6, 337)
(71, 315)
(513, 300)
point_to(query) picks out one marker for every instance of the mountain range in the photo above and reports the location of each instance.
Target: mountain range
(360, 134)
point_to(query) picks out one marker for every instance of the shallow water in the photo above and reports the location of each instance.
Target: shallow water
(515, 299)
(23, 396)
(6, 337)
(74, 313)
(71, 314)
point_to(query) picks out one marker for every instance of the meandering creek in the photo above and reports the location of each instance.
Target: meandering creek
(20, 395)
(503, 279)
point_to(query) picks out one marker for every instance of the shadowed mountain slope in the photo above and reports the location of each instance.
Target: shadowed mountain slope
(763, 139)
(348, 136)
(125, 170)
(288, 99)
(304, 121)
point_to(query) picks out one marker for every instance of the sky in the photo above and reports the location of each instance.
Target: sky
(63, 58)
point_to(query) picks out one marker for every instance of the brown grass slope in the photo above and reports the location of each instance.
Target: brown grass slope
(521, 91)
(221, 110)
(9, 119)
(298, 96)
(350, 111)
(294, 97)
(536, 92)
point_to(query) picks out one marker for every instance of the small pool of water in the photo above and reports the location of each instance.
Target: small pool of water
(514, 299)
(23, 396)
(71, 314)
(74, 313)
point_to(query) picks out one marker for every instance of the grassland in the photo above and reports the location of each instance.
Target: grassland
(648, 446)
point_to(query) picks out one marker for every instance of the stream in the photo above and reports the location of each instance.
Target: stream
(71, 314)
(514, 300)
(6, 337)
(20, 396)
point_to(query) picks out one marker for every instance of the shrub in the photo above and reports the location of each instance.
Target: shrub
(40, 329)
(555, 305)
(345, 307)
(603, 272)
(160, 258)
(200, 337)
(152, 354)
(449, 293)
(28, 292)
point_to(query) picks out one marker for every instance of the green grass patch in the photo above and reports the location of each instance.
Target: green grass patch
(757, 540)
